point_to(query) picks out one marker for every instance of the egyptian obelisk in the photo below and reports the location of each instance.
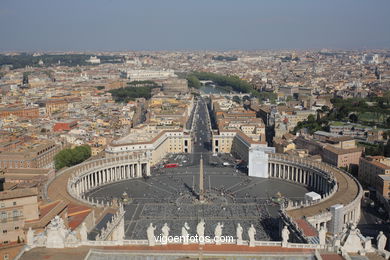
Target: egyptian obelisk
(201, 190)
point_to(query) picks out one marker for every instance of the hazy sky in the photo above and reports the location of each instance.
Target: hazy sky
(92, 25)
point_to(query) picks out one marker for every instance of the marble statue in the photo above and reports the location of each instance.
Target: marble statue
(41, 240)
(353, 240)
(322, 236)
(150, 234)
(121, 229)
(251, 235)
(165, 233)
(56, 233)
(239, 230)
(30, 237)
(200, 231)
(184, 233)
(381, 240)
(218, 233)
(71, 238)
(83, 232)
(285, 236)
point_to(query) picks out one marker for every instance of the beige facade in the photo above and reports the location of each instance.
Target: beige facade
(234, 142)
(341, 157)
(156, 143)
(53, 106)
(238, 129)
(222, 142)
(30, 155)
(17, 207)
(375, 172)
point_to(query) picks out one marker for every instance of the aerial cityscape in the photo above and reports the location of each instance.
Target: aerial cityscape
(170, 148)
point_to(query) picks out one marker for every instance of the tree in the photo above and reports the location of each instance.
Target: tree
(388, 122)
(311, 118)
(353, 118)
(131, 93)
(69, 157)
(325, 109)
(193, 82)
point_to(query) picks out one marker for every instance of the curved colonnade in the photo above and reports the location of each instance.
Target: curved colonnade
(90, 175)
(334, 185)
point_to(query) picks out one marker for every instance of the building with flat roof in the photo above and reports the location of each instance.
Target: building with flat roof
(153, 141)
(175, 86)
(238, 130)
(142, 75)
(23, 112)
(33, 154)
(374, 171)
(16, 208)
(339, 157)
(338, 150)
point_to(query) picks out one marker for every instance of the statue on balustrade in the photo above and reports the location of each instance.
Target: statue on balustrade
(83, 232)
(251, 235)
(165, 233)
(150, 235)
(30, 237)
(285, 236)
(322, 235)
(218, 233)
(239, 231)
(184, 233)
(200, 231)
(381, 240)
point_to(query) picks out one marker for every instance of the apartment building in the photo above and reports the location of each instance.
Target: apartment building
(374, 171)
(33, 154)
(156, 142)
(345, 158)
(238, 129)
(16, 208)
(32, 112)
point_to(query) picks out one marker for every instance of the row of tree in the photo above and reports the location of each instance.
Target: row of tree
(131, 93)
(232, 82)
(378, 149)
(24, 59)
(72, 156)
(312, 124)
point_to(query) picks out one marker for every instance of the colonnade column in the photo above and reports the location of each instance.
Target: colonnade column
(148, 169)
(139, 170)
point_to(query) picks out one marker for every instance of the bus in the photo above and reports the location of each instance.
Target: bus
(171, 165)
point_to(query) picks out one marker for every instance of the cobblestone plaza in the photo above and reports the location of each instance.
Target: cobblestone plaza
(171, 197)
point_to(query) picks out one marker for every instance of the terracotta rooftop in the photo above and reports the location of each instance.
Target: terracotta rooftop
(308, 230)
(76, 214)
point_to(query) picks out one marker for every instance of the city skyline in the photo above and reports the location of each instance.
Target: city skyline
(177, 25)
